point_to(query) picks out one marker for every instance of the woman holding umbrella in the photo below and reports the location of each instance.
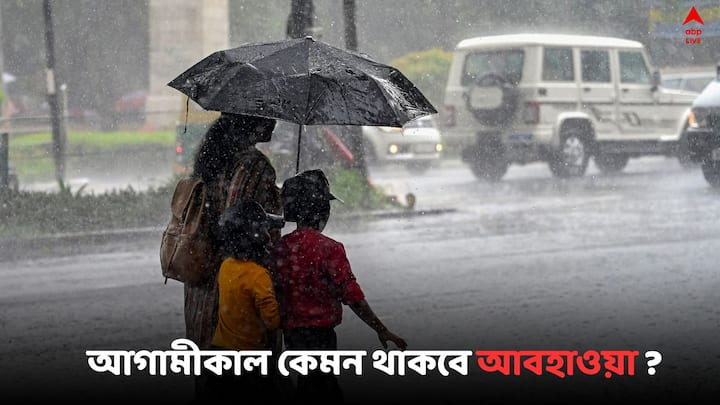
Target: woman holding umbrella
(234, 170)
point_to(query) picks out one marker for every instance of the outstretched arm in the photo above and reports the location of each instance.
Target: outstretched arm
(363, 310)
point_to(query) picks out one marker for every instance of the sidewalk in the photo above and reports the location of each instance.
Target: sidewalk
(68, 244)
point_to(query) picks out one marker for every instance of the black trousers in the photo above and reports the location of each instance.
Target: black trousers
(316, 387)
(251, 387)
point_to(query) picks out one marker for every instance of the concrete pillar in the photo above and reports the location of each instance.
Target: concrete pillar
(181, 33)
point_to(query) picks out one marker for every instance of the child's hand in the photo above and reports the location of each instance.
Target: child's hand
(386, 335)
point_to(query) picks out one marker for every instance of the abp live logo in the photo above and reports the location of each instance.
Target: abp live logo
(693, 35)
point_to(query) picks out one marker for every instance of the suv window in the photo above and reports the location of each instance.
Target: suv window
(507, 63)
(595, 66)
(697, 84)
(671, 83)
(558, 65)
(633, 68)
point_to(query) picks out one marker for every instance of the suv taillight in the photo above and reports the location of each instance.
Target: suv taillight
(450, 120)
(531, 113)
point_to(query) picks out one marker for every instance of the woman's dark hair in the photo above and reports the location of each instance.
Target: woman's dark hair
(227, 135)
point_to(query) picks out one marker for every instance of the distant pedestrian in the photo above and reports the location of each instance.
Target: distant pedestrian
(314, 279)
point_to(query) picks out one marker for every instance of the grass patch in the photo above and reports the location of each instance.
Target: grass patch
(97, 139)
(35, 168)
(32, 155)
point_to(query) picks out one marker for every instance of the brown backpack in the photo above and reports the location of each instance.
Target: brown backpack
(186, 251)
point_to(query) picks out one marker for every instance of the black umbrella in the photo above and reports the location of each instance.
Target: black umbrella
(303, 81)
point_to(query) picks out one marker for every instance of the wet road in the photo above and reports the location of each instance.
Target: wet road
(624, 262)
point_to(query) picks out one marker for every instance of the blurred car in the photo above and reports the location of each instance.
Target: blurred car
(693, 82)
(417, 145)
(129, 109)
(703, 131)
(688, 81)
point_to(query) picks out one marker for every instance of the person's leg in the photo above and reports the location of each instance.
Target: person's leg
(316, 387)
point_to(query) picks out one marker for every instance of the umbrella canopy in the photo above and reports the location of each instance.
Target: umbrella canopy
(303, 81)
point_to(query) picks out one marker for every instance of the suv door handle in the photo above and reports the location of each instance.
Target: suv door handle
(587, 89)
(625, 90)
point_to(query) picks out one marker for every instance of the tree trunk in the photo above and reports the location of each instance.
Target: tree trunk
(58, 130)
(301, 18)
(354, 138)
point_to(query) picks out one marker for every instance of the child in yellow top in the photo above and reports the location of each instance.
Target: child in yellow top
(249, 313)
(248, 307)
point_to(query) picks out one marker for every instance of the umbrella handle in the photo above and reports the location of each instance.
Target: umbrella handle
(297, 159)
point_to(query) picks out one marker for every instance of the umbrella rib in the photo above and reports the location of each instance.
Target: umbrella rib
(316, 101)
(225, 84)
(307, 102)
(385, 96)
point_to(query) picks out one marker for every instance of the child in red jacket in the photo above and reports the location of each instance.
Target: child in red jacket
(313, 278)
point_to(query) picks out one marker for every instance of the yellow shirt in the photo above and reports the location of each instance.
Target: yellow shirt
(248, 308)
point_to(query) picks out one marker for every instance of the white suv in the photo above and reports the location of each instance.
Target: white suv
(559, 99)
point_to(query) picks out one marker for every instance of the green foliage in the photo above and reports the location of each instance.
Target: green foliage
(355, 191)
(428, 70)
(67, 189)
(33, 213)
(348, 185)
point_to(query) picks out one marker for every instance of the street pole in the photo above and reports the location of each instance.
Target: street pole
(351, 41)
(299, 24)
(58, 131)
(355, 139)
(4, 162)
(4, 138)
(301, 18)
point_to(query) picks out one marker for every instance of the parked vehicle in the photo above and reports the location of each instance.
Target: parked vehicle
(417, 145)
(688, 81)
(691, 81)
(129, 110)
(561, 99)
(703, 132)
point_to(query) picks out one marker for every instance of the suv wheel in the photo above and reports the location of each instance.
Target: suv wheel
(491, 170)
(487, 159)
(611, 163)
(711, 172)
(571, 159)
